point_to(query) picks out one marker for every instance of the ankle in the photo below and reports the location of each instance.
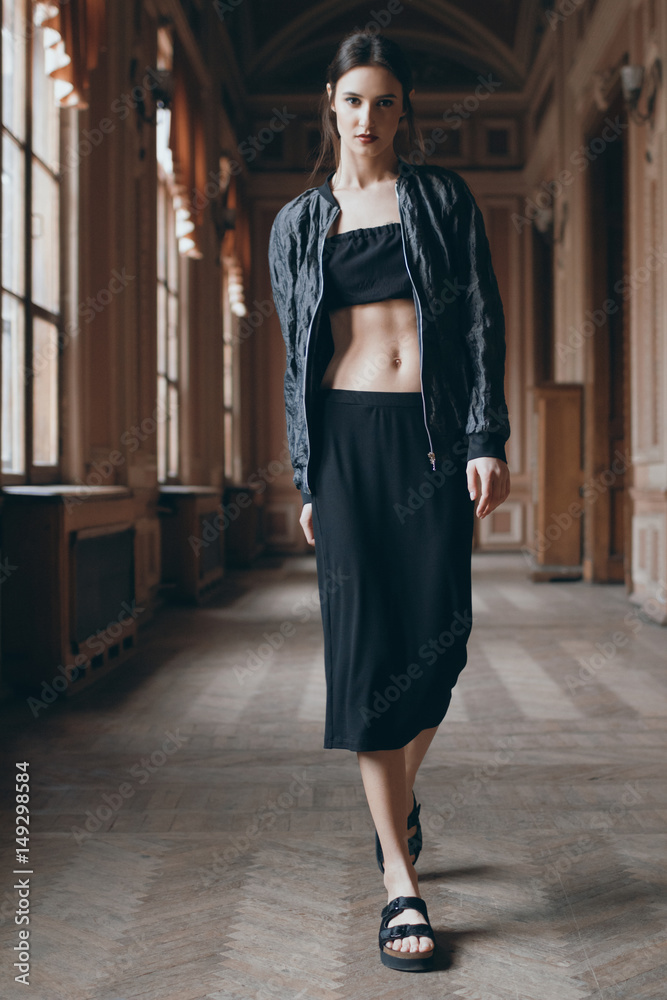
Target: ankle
(398, 877)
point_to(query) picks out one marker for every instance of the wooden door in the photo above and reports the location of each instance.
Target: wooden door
(607, 412)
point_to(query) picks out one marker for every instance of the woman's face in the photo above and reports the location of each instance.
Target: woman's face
(369, 100)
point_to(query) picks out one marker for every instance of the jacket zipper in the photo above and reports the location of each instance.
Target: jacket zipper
(431, 453)
(305, 364)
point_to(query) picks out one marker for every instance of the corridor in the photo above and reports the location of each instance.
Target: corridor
(191, 839)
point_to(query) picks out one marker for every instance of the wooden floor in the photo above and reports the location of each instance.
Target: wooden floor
(229, 857)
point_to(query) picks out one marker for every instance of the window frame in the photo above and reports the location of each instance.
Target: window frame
(34, 474)
(166, 419)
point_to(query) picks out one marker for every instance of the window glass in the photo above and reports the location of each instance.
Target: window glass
(13, 384)
(13, 245)
(45, 239)
(44, 108)
(13, 67)
(45, 392)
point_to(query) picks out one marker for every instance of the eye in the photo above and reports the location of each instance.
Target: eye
(383, 100)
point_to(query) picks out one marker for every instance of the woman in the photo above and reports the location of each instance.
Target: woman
(396, 422)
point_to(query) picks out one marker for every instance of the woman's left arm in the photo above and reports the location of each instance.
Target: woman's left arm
(488, 422)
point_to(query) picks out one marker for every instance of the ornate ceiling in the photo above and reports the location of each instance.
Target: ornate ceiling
(285, 47)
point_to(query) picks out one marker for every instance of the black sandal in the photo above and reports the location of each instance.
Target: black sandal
(414, 842)
(406, 961)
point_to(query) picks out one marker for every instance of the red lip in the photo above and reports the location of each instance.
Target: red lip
(367, 137)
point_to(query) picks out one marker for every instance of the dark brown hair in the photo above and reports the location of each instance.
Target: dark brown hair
(365, 48)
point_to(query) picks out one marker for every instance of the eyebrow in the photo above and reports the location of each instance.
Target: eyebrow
(352, 94)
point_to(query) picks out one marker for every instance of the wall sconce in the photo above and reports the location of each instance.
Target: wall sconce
(184, 226)
(158, 83)
(544, 219)
(544, 222)
(224, 218)
(235, 288)
(632, 82)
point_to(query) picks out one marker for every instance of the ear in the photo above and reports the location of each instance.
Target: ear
(404, 113)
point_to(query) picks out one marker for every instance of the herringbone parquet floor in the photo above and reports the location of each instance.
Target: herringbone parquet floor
(191, 839)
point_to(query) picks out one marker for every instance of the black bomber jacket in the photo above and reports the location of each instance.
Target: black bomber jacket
(460, 316)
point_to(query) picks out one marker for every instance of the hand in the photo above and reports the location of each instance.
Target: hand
(306, 522)
(488, 480)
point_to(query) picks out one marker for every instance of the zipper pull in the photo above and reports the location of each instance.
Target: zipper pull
(431, 455)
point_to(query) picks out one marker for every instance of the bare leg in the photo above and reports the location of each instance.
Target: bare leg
(415, 751)
(383, 773)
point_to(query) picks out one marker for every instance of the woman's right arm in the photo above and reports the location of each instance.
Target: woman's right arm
(279, 251)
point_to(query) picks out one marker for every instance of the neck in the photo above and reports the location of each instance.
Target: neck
(357, 172)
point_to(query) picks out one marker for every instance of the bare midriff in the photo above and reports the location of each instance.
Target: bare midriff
(376, 347)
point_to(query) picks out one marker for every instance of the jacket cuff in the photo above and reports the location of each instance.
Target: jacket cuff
(485, 444)
(306, 496)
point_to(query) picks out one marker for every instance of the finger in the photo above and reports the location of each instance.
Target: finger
(306, 522)
(503, 489)
(500, 494)
(471, 476)
(486, 498)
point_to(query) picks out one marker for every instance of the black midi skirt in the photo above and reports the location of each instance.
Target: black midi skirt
(393, 541)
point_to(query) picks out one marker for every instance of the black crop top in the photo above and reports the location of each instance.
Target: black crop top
(364, 265)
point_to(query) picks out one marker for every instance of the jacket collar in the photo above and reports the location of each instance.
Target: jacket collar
(324, 189)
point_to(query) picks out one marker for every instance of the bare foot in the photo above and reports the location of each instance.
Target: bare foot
(399, 882)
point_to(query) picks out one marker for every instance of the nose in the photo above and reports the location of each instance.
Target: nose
(366, 120)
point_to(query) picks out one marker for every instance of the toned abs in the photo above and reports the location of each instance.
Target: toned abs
(376, 345)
